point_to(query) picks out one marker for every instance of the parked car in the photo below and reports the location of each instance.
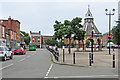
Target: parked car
(112, 45)
(119, 47)
(19, 50)
(5, 53)
(115, 46)
(97, 46)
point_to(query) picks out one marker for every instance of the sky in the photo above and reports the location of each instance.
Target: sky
(41, 15)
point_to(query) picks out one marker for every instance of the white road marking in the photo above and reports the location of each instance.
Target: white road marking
(17, 61)
(28, 56)
(93, 76)
(49, 70)
(22, 60)
(6, 66)
(25, 58)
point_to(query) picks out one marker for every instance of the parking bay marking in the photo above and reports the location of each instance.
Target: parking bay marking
(6, 66)
(93, 76)
(25, 58)
(49, 70)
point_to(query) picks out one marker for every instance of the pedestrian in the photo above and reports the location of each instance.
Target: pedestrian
(56, 48)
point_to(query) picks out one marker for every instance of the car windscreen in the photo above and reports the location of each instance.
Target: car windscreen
(18, 48)
(32, 45)
(1, 49)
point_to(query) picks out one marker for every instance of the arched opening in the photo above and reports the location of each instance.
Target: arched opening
(98, 44)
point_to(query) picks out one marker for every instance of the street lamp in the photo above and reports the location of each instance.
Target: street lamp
(109, 14)
(92, 42)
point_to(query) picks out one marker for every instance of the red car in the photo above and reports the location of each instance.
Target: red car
(119, 47)
(19, 50)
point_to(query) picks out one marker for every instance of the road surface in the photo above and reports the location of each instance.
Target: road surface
(38, 64)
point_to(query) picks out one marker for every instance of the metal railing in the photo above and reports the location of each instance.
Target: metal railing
(55, 53)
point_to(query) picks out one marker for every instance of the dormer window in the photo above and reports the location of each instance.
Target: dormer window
(88, 14)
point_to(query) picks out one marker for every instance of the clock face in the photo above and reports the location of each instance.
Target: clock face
(89, 20)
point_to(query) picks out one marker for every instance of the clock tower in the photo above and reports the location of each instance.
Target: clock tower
(89, 26)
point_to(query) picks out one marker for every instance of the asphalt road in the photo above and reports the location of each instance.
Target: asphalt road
(37, 64)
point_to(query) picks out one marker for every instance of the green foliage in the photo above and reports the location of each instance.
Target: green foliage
(87, 43)
(26, 37)
(72, 44)
(116, 33)
(68, 28)
(60, 43)
(51, 42)
(76, 22)
(27, 40)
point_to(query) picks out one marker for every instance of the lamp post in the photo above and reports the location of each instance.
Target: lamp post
(92, 43)
(109, 14)
(63, 49)
(63, 37)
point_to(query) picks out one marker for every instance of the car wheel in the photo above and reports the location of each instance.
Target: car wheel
(11, 57)
(4, 58)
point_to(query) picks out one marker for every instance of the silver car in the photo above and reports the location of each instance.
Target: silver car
(5, 53)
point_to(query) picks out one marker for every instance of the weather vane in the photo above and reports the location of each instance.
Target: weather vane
(88, 6)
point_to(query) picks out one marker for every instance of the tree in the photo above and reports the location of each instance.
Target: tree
(72, 44)
(68, 28)
(60, 43)
(26, 37)
(27, 40)
(51, 42)
(116, 33)
(79, 35)
(77, 27)
(87, 43)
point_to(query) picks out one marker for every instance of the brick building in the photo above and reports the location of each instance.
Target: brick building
(105, 39)
(66, 41)
(44, 38)
(36, 38)
(2, 34)
(12, 32)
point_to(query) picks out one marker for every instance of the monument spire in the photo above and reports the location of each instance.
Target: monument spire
(89, 23)
(88, 14)
(88, 6)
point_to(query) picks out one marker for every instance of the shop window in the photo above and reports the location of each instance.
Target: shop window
(3, 32)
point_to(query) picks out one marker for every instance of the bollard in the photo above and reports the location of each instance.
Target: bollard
(90, 59)
(63, 56)
(113, 60)
(113, 48)
(74, 58)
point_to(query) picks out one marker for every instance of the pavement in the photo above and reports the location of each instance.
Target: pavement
(102, 66)
(100, 58)
(38, 64)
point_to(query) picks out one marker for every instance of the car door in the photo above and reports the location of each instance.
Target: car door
(7, 51)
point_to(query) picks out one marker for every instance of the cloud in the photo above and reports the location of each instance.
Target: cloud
(59, 0)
